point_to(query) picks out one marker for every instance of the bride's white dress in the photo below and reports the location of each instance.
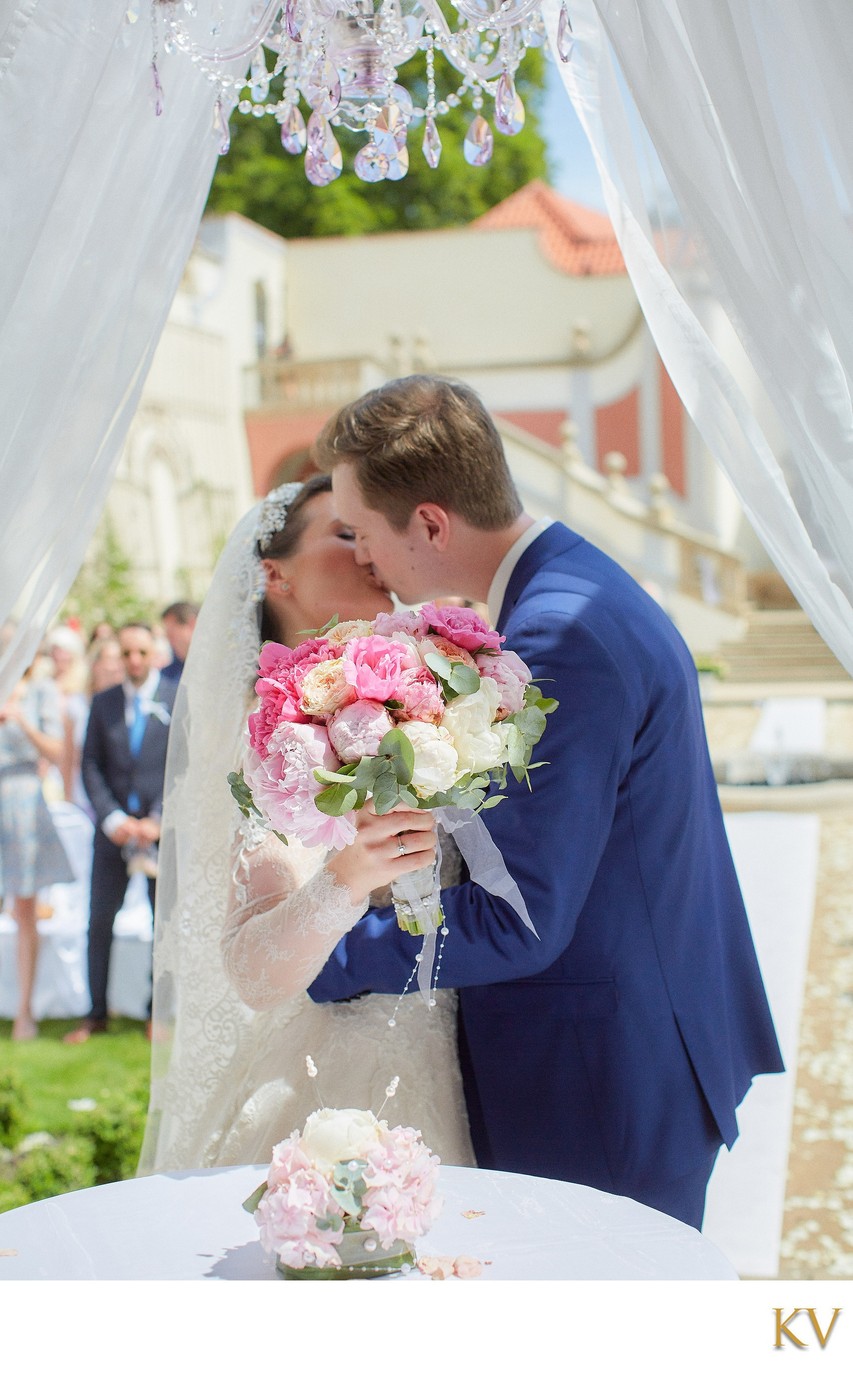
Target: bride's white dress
(232, 1099)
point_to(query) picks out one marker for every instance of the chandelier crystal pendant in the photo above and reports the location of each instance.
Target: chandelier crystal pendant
(341, 59)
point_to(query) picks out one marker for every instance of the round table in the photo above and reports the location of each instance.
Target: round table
(191, 1226)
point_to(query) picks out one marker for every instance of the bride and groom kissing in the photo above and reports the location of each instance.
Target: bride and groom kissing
(613, 1046)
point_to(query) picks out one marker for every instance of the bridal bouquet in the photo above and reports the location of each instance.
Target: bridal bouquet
(346, 1198)
(421, 708)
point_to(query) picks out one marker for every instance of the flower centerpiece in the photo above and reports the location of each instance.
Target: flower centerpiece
(423, 708)
(347, 1197)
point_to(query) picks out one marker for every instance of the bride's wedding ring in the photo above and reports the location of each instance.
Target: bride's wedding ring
(400, 847)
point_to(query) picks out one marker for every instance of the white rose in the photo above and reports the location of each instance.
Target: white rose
(339, 1135)
(469, 719)
(436, 761)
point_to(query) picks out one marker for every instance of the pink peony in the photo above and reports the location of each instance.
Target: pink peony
(511, 675)
(280, 686)
(420, 696)
(462, 626)
(276, 705)
(412, 623)
(357, 730)
(284, 788)
(374, 666)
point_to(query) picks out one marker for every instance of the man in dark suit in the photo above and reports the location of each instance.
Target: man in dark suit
(178, 621)
(614, 1050)
(124, 760)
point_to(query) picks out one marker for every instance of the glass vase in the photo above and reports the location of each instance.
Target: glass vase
(417, 901)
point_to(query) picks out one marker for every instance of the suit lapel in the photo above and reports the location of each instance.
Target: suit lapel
(164, 698)
(553, 541)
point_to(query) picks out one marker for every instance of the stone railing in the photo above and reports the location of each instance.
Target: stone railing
(702, 585)
(287, 385)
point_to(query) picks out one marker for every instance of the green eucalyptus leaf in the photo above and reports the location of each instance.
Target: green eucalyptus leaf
(463, 679)
(397, 748)
(242, 794)
(439, 664)
(336, 800)
(343, 776)
(321, 630)
(386, 790)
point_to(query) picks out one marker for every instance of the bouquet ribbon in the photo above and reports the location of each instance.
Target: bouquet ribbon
(487, 868)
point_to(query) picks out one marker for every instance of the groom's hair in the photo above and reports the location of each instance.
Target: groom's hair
(423, 439)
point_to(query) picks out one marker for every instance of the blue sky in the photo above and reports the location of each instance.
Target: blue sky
(574, 173)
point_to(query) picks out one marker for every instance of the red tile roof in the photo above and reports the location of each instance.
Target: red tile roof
(578, 241)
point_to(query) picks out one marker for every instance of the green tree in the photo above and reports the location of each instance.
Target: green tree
(105, 588)
(259, 180)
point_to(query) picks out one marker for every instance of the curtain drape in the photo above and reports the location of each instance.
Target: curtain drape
(747, 106)
(99, 205)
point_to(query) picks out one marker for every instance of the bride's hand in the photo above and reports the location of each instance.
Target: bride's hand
(385, 847)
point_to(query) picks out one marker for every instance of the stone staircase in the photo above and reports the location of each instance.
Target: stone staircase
(780, 647)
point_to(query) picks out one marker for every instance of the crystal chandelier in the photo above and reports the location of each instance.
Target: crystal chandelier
(341, 59)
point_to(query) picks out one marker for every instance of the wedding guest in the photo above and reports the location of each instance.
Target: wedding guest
(124, 759)
(106, 666)
(178, 621)
(31, 853)
(70, 673)
(101, 631)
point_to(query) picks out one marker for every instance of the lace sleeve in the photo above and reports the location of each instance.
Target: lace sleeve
(280, 926)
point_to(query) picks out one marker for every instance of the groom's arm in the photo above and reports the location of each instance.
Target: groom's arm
(551, 839)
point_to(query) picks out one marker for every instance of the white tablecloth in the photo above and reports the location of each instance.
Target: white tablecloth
(191, 1226)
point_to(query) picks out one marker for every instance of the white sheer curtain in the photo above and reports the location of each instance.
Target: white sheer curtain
(99, 205)
(748, 106)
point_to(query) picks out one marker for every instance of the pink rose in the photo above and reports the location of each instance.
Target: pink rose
(420, 696)
(462, 626)
(374, 666)
(511, 675)
(284, 788)
(412, 623)
(324, 689)
(357, 730)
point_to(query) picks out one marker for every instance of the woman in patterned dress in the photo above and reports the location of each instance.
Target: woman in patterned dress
(31, 853)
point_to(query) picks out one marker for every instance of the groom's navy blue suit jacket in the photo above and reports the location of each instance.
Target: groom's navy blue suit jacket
(614, 1050)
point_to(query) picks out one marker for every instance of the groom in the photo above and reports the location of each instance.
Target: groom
(614, 1050)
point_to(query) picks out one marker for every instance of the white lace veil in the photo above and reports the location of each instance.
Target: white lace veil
(202, 1032)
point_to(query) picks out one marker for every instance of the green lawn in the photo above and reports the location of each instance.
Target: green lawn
(54, 1073)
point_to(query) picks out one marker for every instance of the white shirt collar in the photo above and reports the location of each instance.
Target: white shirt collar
(146, 691)
(503, 573)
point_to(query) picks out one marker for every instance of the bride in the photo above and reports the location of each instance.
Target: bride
(244, 923)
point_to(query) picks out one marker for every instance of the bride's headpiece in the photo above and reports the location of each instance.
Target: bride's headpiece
(272, 516)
